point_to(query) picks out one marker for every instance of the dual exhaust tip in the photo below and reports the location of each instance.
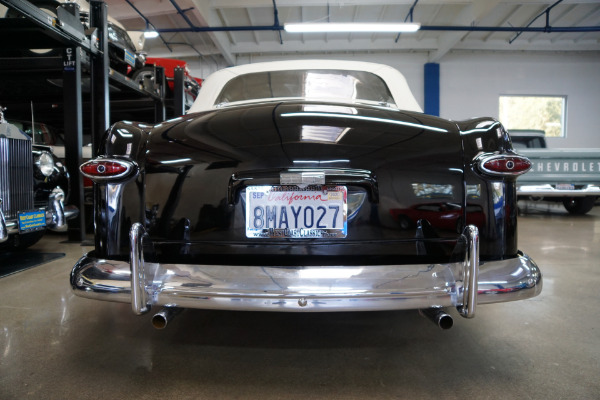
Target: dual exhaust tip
(438, 316)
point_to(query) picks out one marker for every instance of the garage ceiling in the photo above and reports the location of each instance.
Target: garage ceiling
(447, 25)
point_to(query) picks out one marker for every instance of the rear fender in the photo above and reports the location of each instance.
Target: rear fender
(124, 140)
(495, 195)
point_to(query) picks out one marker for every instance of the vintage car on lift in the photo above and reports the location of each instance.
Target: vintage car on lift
(276, 192)
(124, 47)
(34, 187)
(146, 76)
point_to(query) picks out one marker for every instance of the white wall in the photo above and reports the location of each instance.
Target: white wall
(470, 83)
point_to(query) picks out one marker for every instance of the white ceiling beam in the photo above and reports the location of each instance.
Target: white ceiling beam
(315, 46)
(579, 22)
(406, 45)
(469, 15)
(505, 20)
(254, 33)
(555, 19)
(321, 3)
(592, 15)
(183, 51)
(208, 17)
(538, 46)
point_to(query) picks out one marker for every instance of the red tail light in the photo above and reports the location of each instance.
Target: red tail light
(102, 169)
(505, 165)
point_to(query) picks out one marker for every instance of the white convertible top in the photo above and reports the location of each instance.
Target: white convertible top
(211, 86)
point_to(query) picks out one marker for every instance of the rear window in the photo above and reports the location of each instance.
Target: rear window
(307, 84)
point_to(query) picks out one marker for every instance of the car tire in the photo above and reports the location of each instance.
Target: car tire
(579, 205)
(49, 7)
(404, 222)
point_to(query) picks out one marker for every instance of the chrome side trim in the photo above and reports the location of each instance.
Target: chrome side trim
(547, 190)
(303, 288)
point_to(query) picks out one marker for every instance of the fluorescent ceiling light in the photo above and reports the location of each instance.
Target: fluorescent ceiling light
(150, 34)
(351, 27)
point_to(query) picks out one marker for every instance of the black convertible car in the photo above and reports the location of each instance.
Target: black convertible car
(279, 191)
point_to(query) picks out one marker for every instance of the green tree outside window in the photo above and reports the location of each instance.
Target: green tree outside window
(546, 113)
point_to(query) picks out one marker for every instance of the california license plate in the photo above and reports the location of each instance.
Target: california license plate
(32, 220)
(565, 186)
(292, 212)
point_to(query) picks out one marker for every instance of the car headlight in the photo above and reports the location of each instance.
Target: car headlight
(45, 163)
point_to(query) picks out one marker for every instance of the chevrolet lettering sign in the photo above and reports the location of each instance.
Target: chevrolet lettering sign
(565, 166)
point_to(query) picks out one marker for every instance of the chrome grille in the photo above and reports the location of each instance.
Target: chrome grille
(16, 176)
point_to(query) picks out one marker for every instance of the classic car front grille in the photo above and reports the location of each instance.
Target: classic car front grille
(16, 176)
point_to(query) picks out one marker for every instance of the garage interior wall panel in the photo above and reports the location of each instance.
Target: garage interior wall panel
(470, 84)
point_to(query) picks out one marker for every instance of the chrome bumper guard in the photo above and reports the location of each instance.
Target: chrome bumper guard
(316, 288)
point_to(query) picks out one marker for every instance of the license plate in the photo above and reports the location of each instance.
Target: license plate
(129, 57)
(565, 186)
(32, 220)
(291, 212)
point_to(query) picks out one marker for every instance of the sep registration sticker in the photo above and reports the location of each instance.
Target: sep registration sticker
(32, 220)
(314, 212)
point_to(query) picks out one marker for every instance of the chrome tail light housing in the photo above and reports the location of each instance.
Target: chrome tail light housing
(506, 165)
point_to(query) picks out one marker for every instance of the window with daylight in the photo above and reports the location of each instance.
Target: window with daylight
(546, 113)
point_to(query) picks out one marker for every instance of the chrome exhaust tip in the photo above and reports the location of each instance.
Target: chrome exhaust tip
(439, 317)
(161, 319)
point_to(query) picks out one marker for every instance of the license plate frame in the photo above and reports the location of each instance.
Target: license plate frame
(312, 212)
(31, 220)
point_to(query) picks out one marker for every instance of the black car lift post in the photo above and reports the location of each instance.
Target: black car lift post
(178, 93)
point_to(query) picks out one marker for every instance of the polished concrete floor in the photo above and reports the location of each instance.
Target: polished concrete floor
(54, 345)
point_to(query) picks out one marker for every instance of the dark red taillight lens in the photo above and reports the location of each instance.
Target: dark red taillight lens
(505, 165)
(106, 169)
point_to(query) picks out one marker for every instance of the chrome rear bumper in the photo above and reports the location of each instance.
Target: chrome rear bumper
(547, 190)
(311, 289)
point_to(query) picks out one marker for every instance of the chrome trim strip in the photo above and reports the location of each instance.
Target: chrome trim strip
(301, 289)
(547, 190)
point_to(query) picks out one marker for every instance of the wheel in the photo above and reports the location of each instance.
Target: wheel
(579, 205)
(404, 222)
(22, 241)
(49, 7)
(145, 74)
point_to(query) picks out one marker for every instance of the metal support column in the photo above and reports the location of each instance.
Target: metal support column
(178, 93)
(99, 70)
(73, 135)
(159, 105)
